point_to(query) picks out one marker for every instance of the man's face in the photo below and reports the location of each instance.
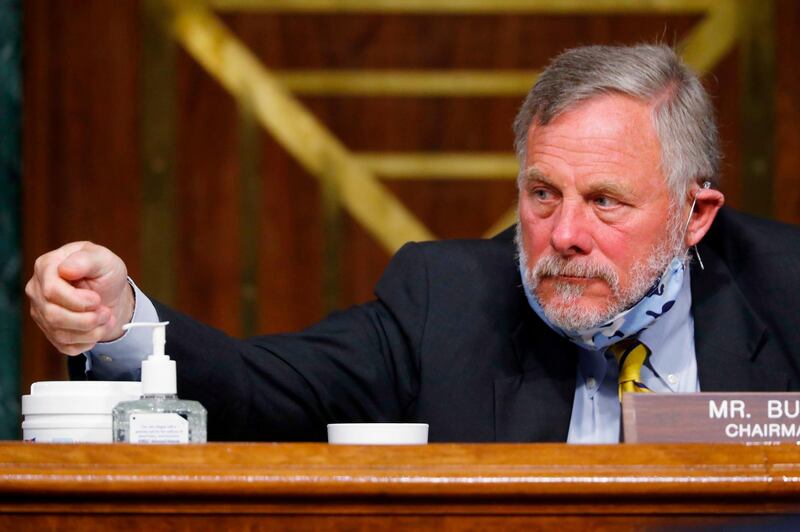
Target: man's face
(596, 224)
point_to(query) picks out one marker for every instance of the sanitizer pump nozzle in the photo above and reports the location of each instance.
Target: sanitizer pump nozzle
(158, 371)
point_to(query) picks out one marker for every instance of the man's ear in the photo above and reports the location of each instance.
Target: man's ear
(707, 204)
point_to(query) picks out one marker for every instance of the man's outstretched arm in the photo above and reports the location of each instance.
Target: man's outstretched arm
(357, 365)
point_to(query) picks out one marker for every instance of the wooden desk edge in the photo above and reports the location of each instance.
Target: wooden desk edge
(439, 470)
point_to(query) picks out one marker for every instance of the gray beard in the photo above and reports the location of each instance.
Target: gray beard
(566, 313)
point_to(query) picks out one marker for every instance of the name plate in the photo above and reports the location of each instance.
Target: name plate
(755, 418)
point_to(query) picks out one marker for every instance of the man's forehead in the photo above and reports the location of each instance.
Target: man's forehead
(604, 119)
(605, 143)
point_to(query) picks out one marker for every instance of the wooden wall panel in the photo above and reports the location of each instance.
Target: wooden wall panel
(290, 244)
(726, 92)
(80, 140)
(207, 169)
(787, 110)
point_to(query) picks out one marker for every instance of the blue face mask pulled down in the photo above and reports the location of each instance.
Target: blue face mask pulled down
(657, 302)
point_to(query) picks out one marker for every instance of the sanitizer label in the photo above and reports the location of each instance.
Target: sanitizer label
(158, 428)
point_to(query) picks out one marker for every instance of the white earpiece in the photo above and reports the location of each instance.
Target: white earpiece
(706, 186)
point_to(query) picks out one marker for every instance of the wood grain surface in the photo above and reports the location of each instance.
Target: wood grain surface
(455, 486)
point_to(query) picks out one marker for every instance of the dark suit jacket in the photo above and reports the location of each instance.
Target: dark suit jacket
(450, 340)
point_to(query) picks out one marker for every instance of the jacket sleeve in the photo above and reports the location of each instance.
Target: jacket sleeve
(357, 365)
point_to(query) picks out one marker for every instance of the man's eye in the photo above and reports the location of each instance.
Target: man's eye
(541, 194)
(605, 201)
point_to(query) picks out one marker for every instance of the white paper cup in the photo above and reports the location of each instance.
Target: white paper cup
(378, 433)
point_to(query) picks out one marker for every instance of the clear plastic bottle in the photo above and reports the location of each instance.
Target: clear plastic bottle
(158, 416)
(172, 414)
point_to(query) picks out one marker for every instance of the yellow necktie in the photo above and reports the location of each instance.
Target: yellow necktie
(630, 355)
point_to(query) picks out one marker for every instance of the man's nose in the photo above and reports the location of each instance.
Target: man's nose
(571, 232)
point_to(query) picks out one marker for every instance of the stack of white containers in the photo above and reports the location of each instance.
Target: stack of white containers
(73, 411)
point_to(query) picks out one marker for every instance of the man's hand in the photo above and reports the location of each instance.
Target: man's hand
(79, 296)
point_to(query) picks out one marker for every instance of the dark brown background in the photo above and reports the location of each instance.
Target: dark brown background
(83, 146)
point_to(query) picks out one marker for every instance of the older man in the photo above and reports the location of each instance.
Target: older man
(619, 162)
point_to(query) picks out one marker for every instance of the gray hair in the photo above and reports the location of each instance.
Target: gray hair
(682, 112)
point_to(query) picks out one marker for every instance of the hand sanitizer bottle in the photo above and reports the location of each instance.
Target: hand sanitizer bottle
(159, 416)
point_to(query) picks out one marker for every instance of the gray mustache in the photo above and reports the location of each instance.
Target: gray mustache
(552, 266)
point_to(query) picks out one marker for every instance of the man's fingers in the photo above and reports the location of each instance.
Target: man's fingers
(54, 289)
(61, 348)
(47, 284)
(44, 261)
(79, 295)
(60, 318)
(72, 342)
(90, 262)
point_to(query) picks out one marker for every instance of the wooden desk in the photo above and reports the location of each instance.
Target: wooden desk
(447, 487)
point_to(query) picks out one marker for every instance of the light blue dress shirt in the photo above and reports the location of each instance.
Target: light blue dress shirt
(672, 366)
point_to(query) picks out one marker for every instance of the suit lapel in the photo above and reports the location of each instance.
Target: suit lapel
(732, 343)
(535, 404)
